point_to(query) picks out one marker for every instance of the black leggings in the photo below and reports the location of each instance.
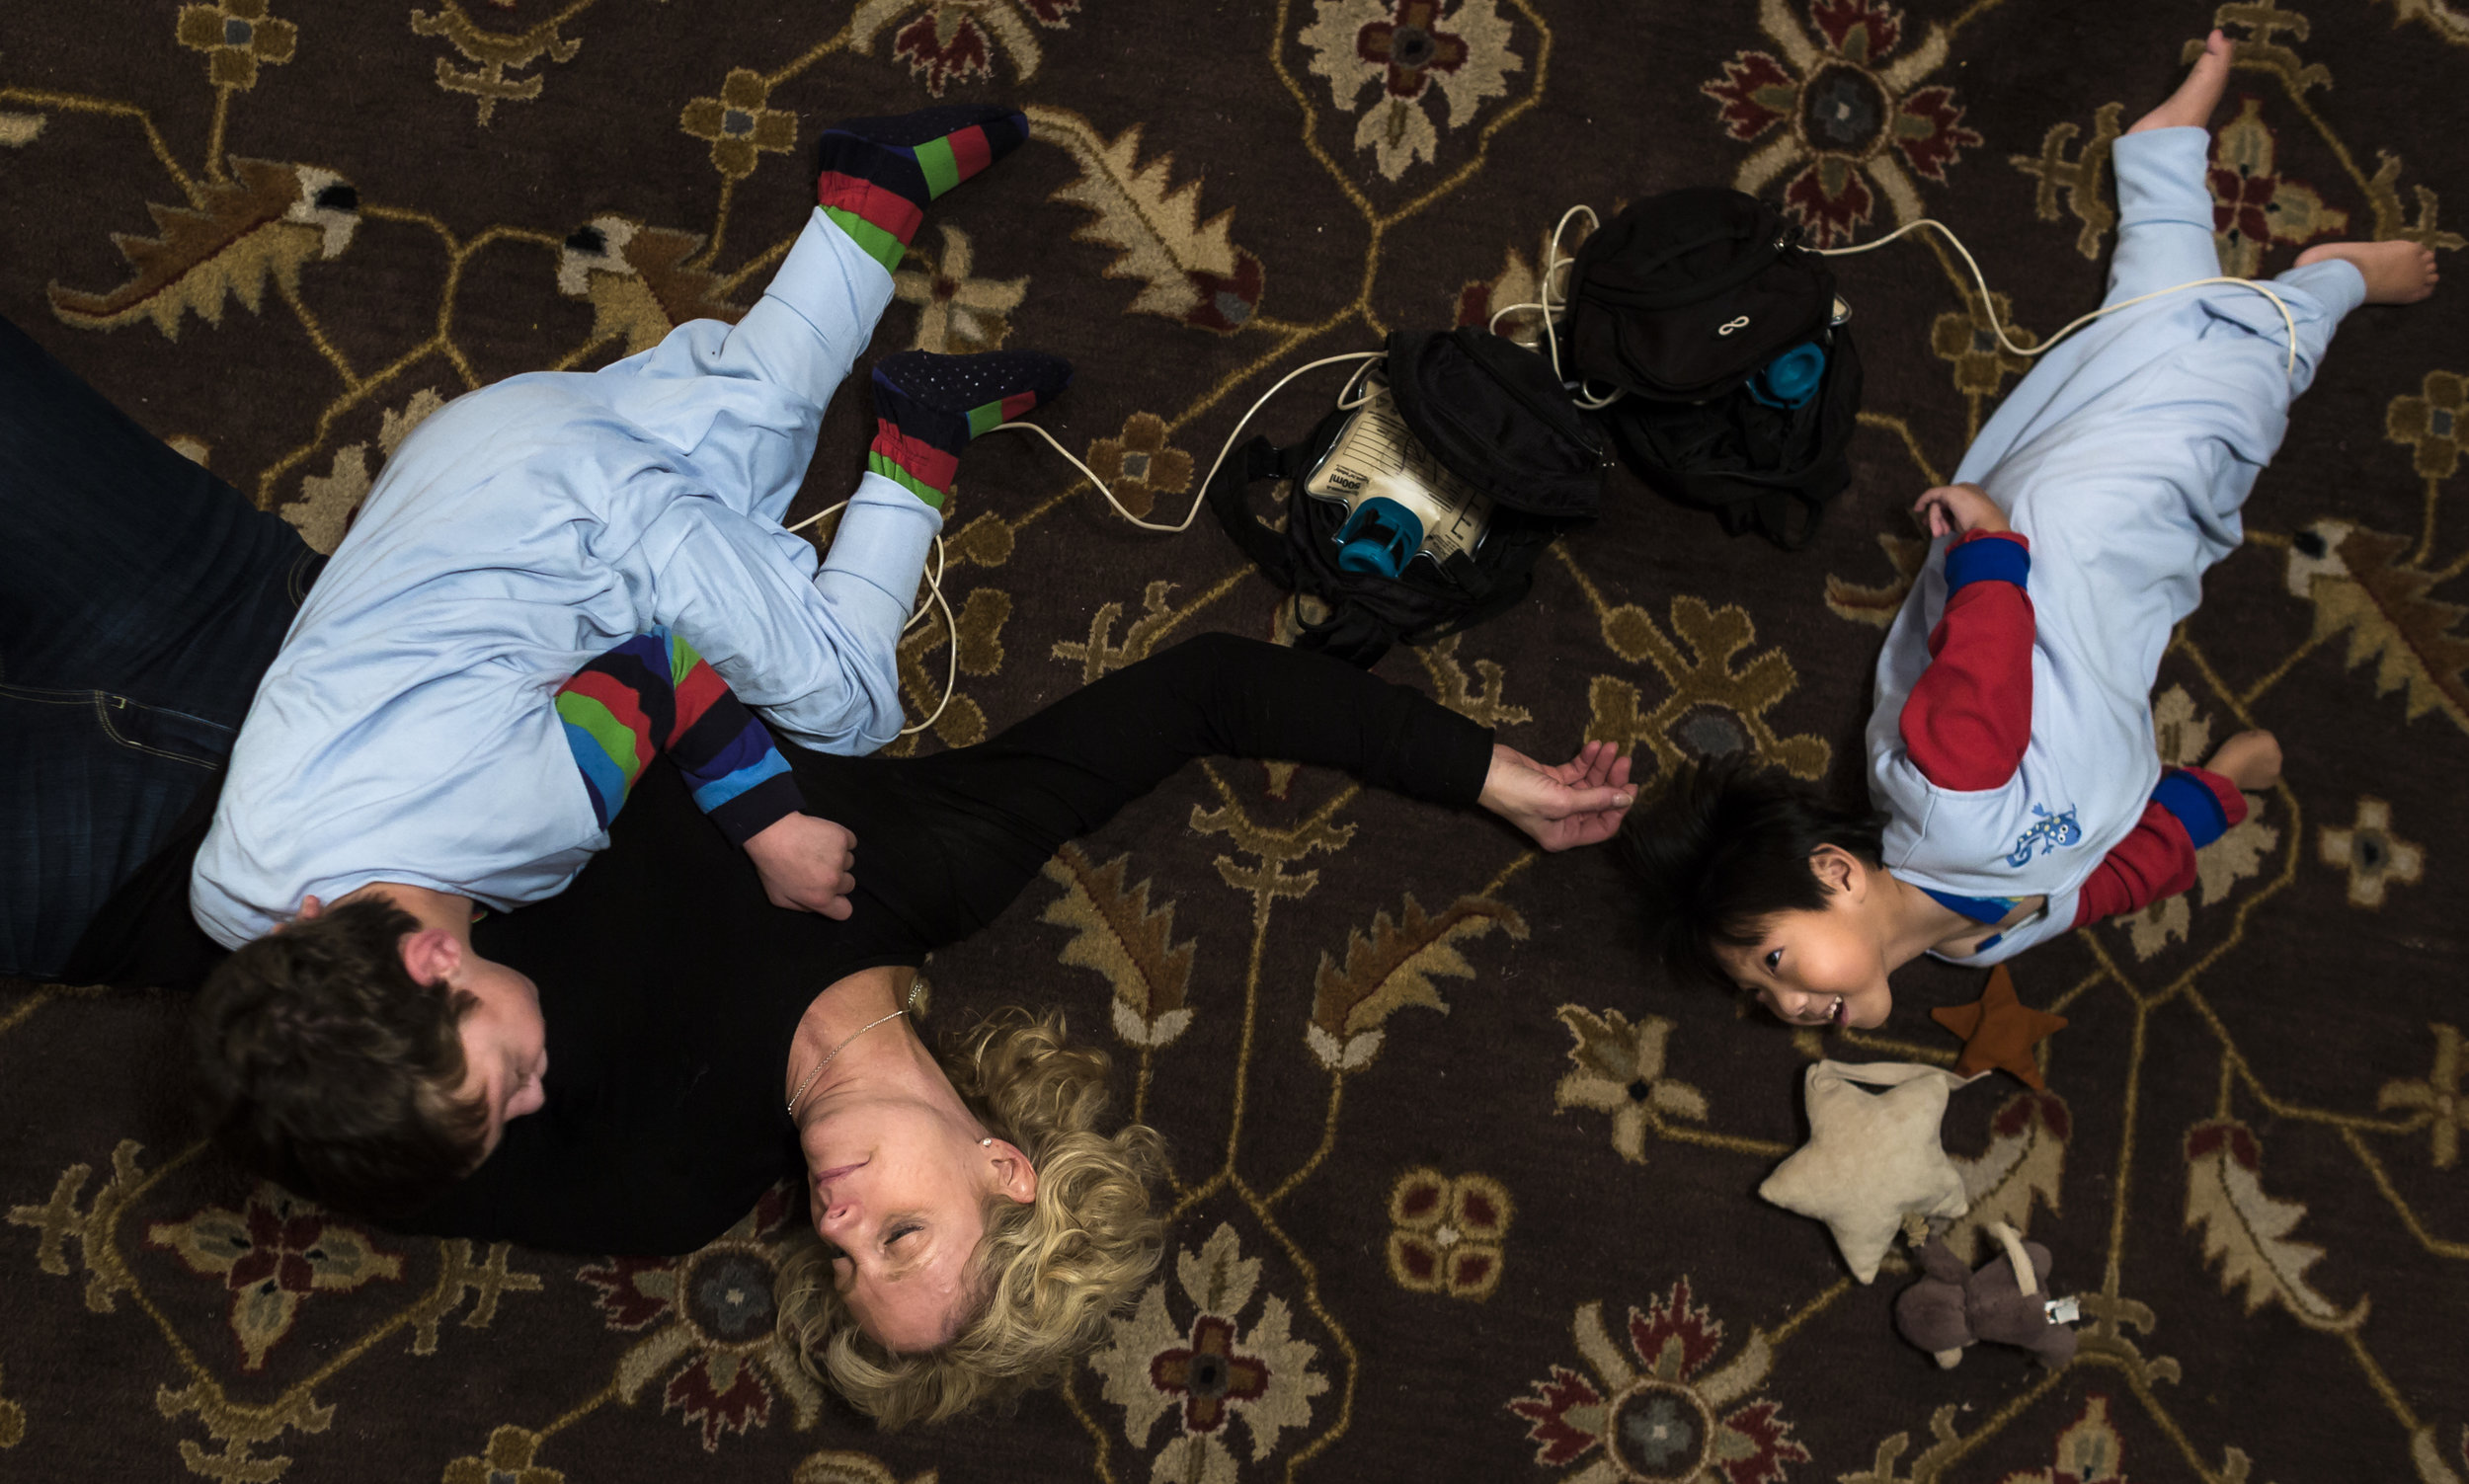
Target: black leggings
(946, 842)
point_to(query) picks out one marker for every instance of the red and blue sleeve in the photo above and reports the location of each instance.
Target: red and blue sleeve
(654, 694)
(1969, 717)
(2190, 809)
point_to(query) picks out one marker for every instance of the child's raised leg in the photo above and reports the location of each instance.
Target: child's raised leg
(2163, 201)
(819, 314)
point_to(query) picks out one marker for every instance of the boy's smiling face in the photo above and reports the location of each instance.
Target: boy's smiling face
(1825, 965)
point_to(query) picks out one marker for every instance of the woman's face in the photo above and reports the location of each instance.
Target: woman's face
(899, 1185)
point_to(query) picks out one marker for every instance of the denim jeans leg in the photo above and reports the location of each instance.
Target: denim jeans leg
(141, 599)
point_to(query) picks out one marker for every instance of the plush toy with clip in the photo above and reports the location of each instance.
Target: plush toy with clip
(2007, 1302)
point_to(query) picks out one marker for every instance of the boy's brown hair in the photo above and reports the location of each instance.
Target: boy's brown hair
(323, 1064)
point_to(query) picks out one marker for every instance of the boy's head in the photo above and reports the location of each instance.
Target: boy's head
(365, 1058)
(1755, 885)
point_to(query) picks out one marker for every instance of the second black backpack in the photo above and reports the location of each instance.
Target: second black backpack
(1677, 305)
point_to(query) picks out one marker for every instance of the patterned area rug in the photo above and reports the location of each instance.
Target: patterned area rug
(1463, 1190)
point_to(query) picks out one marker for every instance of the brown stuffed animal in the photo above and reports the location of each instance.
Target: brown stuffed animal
(2006, 1302)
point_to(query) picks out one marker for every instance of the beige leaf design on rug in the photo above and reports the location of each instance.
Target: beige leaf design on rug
(329, 500)
(2248, 1231)
(233, 238)
(1118, 935)
(2353, 576)
(640, 280)
(1393, 967)
(1191, 269)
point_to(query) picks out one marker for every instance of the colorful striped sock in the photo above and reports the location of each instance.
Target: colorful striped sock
(927, 409)
(878, 174)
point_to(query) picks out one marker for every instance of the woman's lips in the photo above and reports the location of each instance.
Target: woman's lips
(838, 1172)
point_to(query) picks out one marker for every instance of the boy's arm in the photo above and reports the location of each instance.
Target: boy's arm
(655, 694)
(1969, 717)
(2190, 809)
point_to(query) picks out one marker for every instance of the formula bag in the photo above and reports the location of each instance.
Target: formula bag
(1492, 415)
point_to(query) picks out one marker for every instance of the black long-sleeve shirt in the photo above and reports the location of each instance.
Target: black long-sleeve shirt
(672, 987)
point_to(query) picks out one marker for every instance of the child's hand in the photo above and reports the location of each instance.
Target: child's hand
(806, 864)
(2250, 759)
(1579, 803)
(1949, 508)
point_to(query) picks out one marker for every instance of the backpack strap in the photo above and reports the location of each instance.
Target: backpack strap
(1257, 460)
(1502, 596)
(1774, 510)
(1351, 632)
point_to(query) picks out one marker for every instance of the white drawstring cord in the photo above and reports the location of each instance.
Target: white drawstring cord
(1554, 306)
(934, 582)
(1202, 498)
(2080, 321)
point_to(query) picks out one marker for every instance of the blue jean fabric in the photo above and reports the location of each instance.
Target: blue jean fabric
(140, 600)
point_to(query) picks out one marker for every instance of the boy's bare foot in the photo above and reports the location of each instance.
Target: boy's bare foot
(2396, 273)
(2250, 759)
(2190, 107)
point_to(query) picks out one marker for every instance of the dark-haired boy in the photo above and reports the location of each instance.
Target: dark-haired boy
(2012, 757)
(557, 578)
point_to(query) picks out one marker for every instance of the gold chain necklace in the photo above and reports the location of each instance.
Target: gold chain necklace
(809, 1079)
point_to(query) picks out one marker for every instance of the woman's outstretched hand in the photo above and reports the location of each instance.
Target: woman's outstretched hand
(807, 865)
(1579, 803)
(1951, 509)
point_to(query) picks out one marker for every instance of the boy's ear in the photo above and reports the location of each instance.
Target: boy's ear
(431, 956)
(1834, 868)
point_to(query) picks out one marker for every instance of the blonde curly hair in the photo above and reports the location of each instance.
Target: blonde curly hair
(1046, 1274)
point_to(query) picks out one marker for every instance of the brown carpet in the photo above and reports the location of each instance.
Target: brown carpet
(1467, 1191)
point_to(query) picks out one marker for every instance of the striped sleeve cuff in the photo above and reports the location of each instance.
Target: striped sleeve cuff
(1987, 557)
(758, 805)
(2194, 797)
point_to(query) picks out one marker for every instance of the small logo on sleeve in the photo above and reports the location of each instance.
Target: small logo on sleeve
(2049, 832)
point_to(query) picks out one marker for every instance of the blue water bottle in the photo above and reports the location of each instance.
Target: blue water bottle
(1791, 378)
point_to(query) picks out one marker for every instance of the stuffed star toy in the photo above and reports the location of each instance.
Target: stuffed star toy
(1999, 1031)
(1871, 1157)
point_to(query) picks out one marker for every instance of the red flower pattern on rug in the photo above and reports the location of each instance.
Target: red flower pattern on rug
(1854, 124)
(1655, 1409)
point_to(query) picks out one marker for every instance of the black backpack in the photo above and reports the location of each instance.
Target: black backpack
(1495, 414)
(1676, 304)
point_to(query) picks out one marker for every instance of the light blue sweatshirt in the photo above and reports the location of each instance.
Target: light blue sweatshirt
(405, 730)
(2125, 456)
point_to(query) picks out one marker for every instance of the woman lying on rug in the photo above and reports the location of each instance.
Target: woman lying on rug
(980, 1224)
(2012, 756)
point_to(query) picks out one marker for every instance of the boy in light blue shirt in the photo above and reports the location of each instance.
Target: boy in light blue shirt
(451, 721)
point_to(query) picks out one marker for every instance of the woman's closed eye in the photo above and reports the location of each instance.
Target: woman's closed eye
(906, 1228)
